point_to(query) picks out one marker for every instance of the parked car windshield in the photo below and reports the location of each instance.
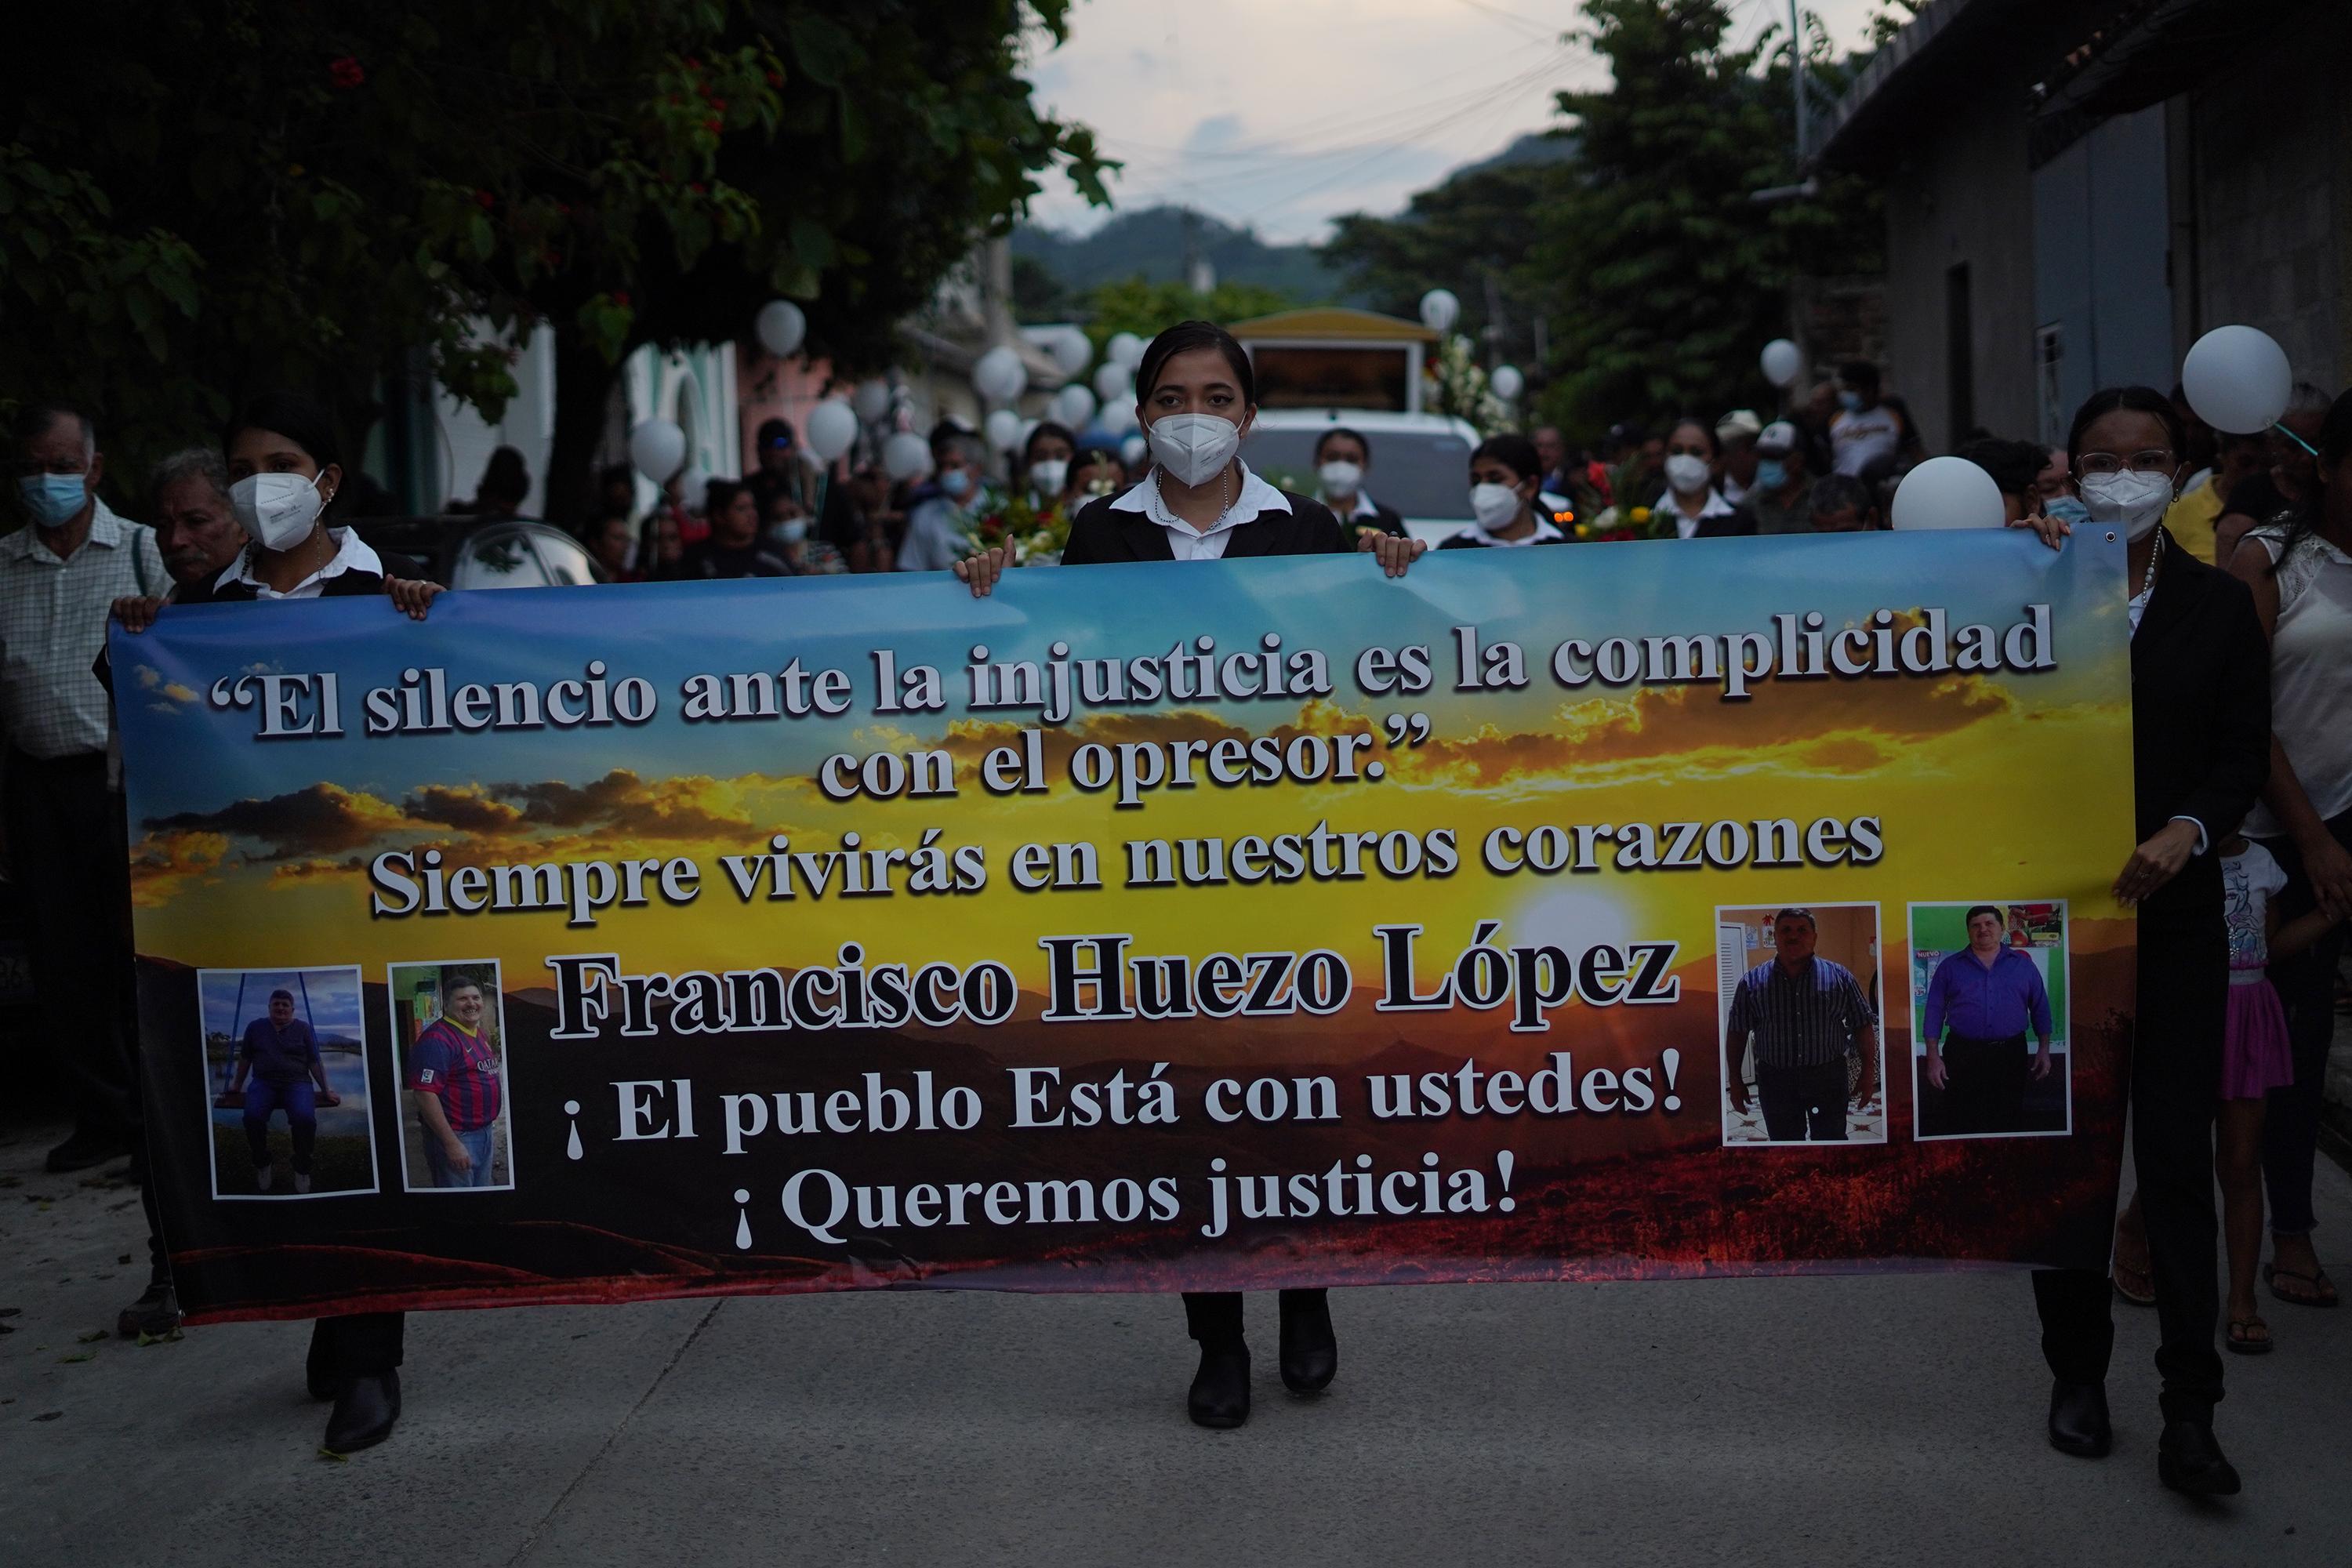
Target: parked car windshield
(519, 556)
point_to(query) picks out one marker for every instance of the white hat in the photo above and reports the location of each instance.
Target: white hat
(1738, 422)
(1778, 436)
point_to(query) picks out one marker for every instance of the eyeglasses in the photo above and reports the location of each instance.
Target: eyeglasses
(2155, 461)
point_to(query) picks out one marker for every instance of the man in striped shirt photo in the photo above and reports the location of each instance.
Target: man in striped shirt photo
(453, 1069)
(1808, 1017)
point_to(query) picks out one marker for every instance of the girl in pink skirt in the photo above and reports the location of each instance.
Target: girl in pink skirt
(2256, 1059)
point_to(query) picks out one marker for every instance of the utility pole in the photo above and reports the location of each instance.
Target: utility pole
(1796, 78)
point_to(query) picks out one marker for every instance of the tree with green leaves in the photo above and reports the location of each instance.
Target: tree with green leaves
(235, 194)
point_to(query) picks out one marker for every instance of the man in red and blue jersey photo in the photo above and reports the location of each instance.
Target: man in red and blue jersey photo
(453, 1069)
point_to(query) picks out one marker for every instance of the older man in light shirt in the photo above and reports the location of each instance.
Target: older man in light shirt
(58, 573)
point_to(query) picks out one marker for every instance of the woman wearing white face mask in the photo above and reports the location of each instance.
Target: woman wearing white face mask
(1342, 455)
(1505, 473)
(2200, 754)
(1691, 504)
(1045, 464)
(284, 468)
(1196, 396)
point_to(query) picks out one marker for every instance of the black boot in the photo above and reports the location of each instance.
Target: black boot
(2188, 1460)
(2078, 1420)
(154, 1315)
(1310, 1351)
(365, 1408)
(1220, 1389)
(319, 1365)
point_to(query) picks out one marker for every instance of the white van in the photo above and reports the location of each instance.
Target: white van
(1421, 462)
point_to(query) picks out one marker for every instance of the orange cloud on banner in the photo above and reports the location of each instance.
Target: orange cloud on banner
(161, 865)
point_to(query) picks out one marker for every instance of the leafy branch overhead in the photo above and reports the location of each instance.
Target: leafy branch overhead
(234, 193)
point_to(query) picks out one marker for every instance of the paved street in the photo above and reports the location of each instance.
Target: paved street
(1799, 1421)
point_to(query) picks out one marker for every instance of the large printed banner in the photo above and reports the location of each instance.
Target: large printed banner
(1268, 922)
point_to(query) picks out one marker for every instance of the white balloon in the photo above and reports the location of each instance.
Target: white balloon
(694, 489)
(1782, 361)
(1004, 430)
(1074, 406)
(832, 429)
(657, 446)
(1117, 417)
(1071, 349)
(998, 376)
(1439, 310)
(1948, 492)
(1124, 348)
(905, 456)
(1507, 382)
(872, 399)
(1133, 450)
(2237, 379)
(1113, 382)
(781, 327)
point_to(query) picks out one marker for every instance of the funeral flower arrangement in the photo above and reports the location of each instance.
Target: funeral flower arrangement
(1035, 534)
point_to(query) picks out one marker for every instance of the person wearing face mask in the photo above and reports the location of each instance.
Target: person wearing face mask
(1736, 435)
(2300, 572)
(1782, 496)
(285, 467)
(936, 528)
(792, 537)
(58, 573)
(1691, 504)
(2200, 757)
(1045, 465)
(1504, 472)
(1196, 397)
(1342, 455)
(2278, 485)
(1864, 430)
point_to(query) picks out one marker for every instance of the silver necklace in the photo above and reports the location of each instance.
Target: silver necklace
(1164, 513)
(2148, 581)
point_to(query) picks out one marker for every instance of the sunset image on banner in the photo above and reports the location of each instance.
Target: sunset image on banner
(1296, 925)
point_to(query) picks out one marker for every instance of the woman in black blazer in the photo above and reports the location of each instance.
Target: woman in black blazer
(1195, 396)
(2201, 752)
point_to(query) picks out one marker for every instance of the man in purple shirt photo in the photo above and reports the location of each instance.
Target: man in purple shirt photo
(1986, 997)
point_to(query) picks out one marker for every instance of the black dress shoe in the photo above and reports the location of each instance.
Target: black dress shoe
(1310, 1351)
(1220, 1389)
(154, 1316)
(86, 1149)
(2188, 1460)
(319, 1365)
(364, 1411)
(2078, 1420)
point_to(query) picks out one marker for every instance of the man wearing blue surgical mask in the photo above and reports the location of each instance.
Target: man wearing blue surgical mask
(1782, 496)
(1863, 429)
(936, 529)
(58, 574)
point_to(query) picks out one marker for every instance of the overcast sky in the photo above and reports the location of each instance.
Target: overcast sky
(1282, 115)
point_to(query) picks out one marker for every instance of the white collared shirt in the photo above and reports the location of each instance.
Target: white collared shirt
(1544, 533)
(352, 554)
(1184, 541)
(53, 626)
(1687, 527)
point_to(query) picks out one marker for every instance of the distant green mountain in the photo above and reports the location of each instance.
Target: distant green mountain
(1150, 243)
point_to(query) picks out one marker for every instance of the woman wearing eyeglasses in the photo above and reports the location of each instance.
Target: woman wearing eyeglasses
(2201, 752)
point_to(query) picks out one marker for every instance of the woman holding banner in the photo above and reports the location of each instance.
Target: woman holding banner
(285, 467)
(2201, 752)
(1196, 397)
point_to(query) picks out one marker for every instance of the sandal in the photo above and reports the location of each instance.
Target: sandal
(2250, 1336)
(2323, 1289)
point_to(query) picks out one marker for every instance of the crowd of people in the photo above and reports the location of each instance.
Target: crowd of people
(2241, 610)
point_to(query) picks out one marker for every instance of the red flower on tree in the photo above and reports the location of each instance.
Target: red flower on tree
(345, 71)
(621, 298)
(484, 200)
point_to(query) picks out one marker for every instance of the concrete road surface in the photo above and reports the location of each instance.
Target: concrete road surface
(1747, 1422)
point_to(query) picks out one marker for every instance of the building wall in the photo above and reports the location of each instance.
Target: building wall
(1965, 197)
(2271, 194)
(2103, 292)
